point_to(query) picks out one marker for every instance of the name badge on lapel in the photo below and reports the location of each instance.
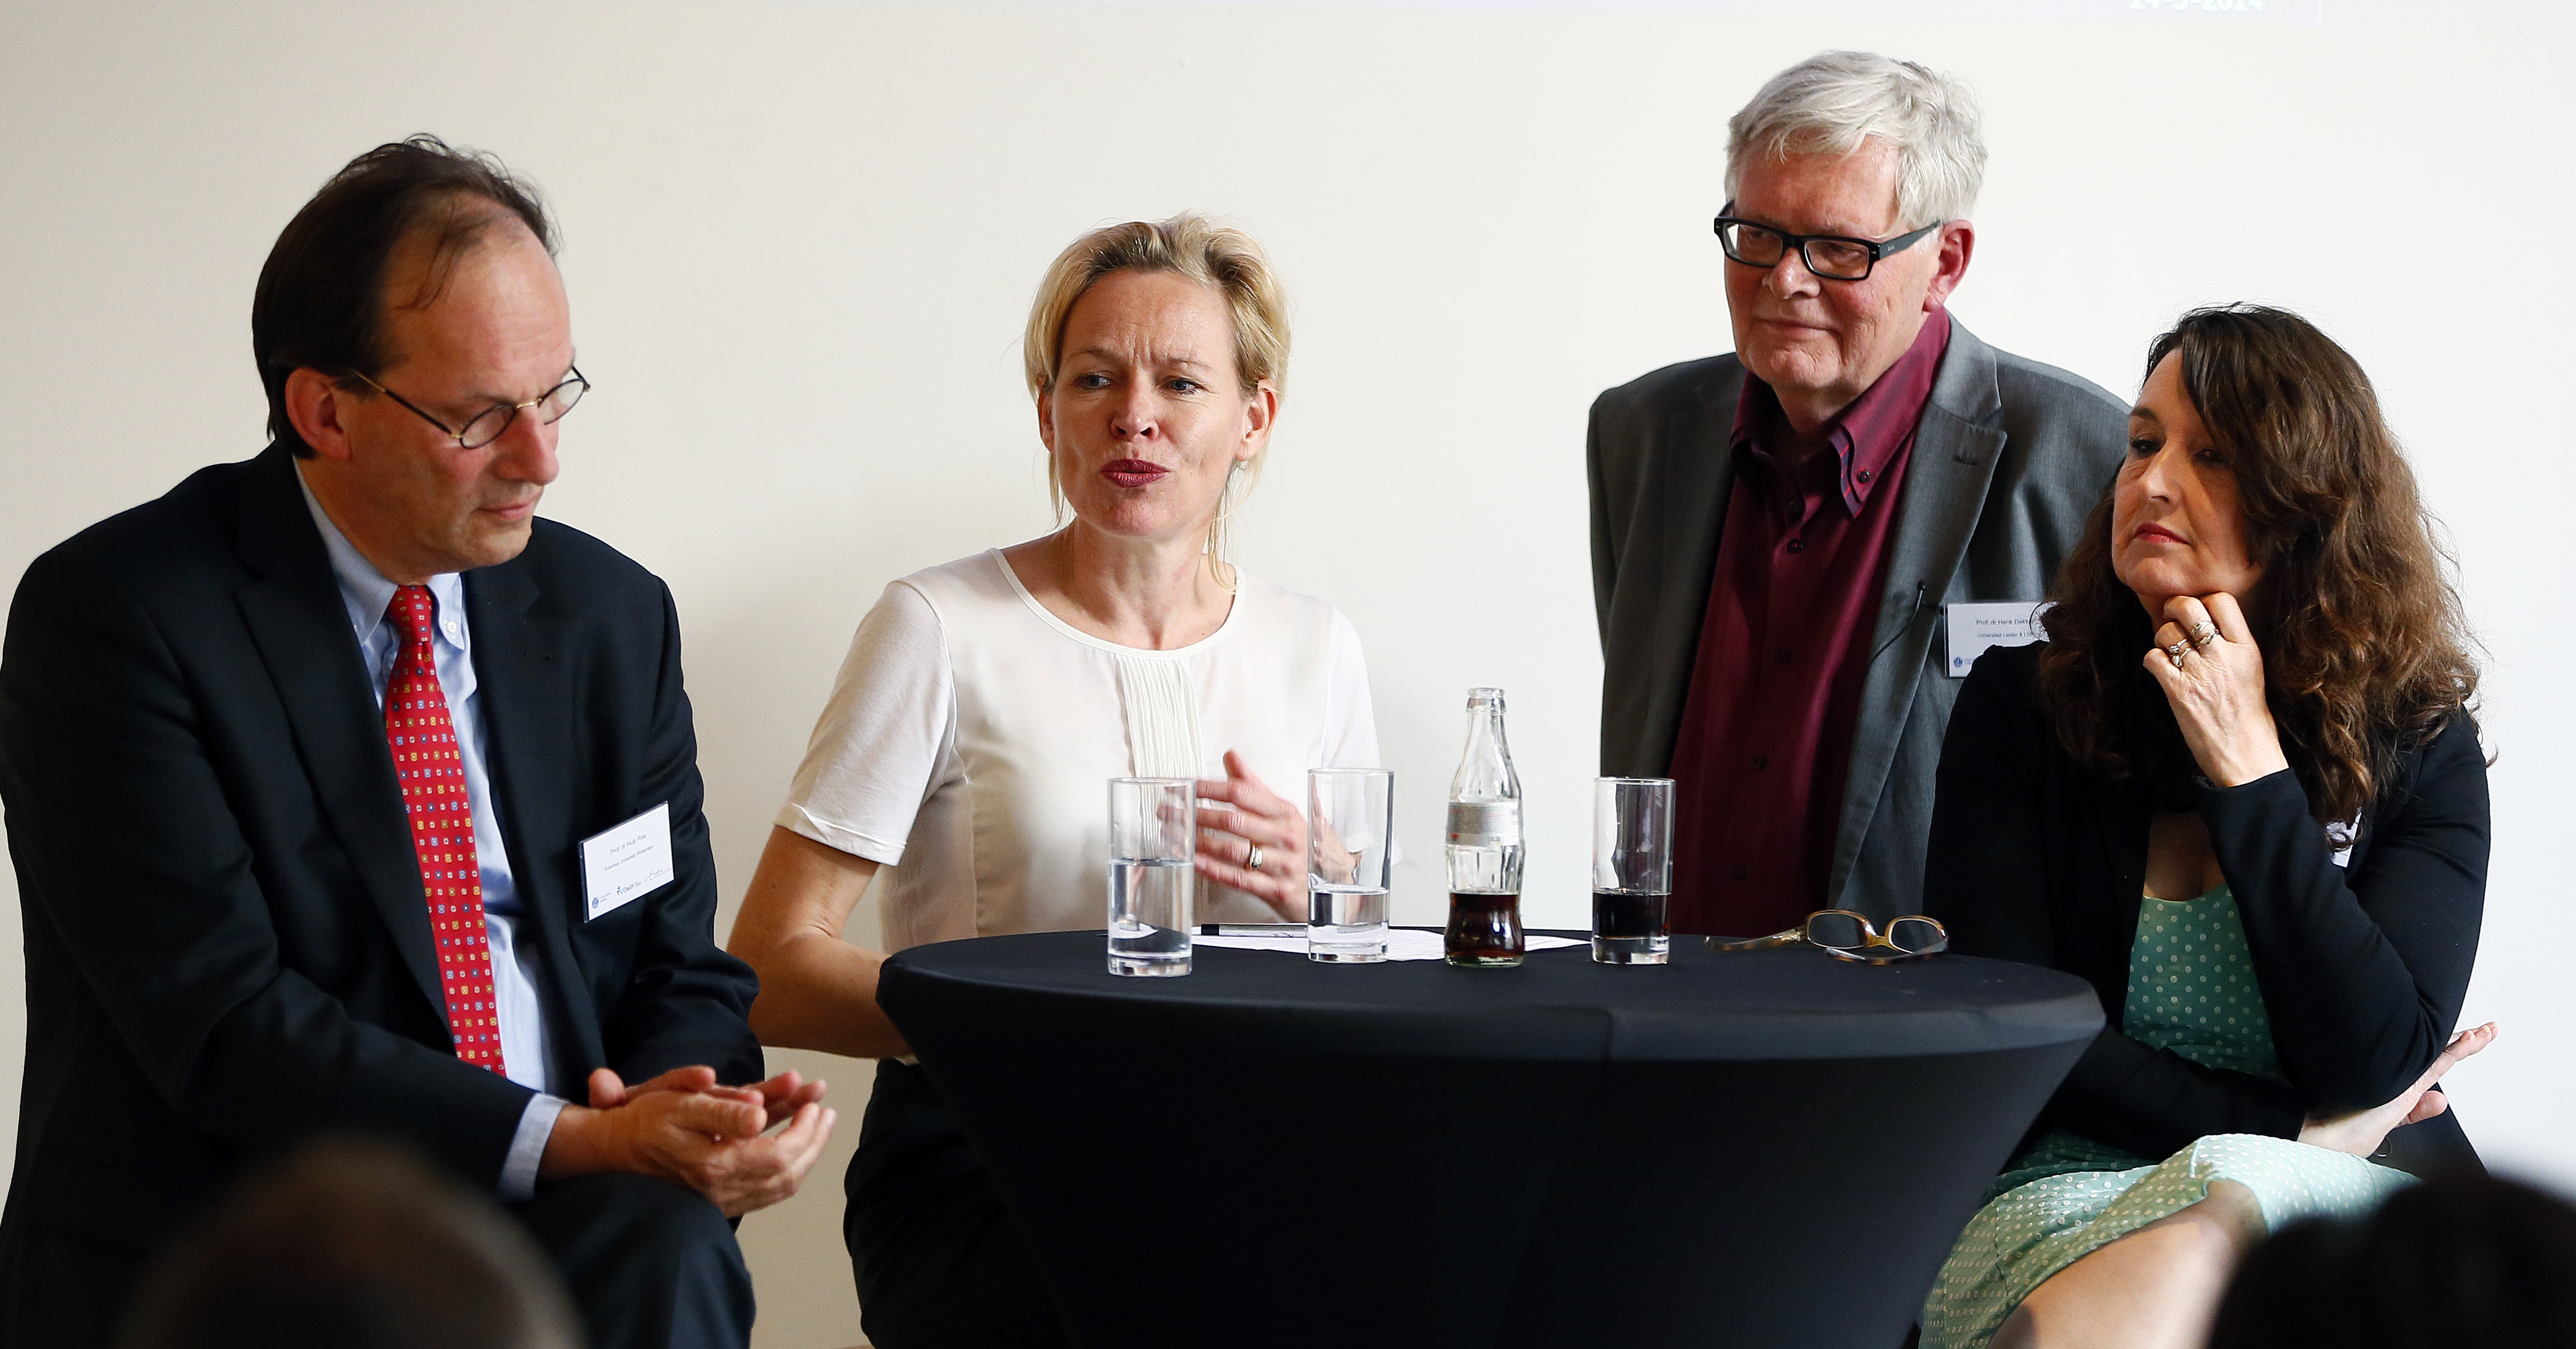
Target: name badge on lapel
(623, 861)
(1974, 627)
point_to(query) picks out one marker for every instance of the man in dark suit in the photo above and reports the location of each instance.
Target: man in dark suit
(300, 761)
(1777, 534)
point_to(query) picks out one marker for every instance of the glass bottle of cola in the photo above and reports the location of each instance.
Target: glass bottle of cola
(1485, 842)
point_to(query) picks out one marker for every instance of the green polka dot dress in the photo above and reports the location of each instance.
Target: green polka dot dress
(2191, 990)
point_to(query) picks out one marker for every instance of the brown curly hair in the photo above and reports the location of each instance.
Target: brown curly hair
(2364, 651)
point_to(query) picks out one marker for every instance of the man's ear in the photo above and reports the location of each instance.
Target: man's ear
(1958, 244)
(313, 405)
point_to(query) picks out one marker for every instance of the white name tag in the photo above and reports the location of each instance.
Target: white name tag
(1974, 627)
(623, 861)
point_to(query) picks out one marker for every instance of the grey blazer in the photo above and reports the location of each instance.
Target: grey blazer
(2009, 459)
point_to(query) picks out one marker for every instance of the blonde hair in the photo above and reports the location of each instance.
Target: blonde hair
(1220, 257)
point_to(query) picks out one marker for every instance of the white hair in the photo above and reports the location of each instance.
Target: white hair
(1832, 101)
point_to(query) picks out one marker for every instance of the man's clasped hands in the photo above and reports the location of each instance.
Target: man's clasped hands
(686, 1128)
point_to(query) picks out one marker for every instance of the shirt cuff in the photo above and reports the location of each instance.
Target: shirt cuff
(528, 1147)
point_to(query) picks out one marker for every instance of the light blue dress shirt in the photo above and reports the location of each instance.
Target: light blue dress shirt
(518, 980)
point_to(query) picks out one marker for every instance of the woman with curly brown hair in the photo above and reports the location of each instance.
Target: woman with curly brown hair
(2240, 791)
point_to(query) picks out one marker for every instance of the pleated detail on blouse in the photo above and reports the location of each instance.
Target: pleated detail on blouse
(1162, 718)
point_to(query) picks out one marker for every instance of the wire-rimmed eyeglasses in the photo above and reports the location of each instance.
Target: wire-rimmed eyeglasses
(1835, 257)
(493, 422)
(1846, 935)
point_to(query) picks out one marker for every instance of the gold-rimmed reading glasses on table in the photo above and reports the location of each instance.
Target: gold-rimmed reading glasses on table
(1846, 935)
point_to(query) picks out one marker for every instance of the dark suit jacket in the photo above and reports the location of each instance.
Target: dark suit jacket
(2362, 966)
(2008, 459)
(227, 945)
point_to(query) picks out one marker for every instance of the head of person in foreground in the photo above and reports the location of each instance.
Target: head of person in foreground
(2466, 1260)
(351, 1245)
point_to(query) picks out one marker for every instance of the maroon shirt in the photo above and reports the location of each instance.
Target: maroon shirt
(1766, 735)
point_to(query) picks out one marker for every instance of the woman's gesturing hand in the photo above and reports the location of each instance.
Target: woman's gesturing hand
(2212, 672)
(2362, 1132)
(1253, 816)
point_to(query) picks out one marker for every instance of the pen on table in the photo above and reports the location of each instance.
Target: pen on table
(1252, 929)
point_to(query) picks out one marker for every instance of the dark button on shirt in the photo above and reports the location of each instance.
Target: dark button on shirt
(1801, 562)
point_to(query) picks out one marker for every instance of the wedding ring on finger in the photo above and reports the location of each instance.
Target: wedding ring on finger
(1251, 856)
(2174, 652)
(2203, 633)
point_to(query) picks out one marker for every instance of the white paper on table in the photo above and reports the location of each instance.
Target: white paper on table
(1402, 943)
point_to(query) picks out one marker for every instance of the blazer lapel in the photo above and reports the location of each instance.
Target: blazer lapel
(297, 620)
(524, 693)
(1956, 445)
(1694, 481)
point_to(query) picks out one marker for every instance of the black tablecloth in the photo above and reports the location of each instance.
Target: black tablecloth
(1763, 1148)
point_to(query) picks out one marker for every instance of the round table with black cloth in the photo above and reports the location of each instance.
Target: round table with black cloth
(1769, 1148)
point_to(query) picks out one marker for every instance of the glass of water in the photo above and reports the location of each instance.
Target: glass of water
(1349, 812)
(1632, 870)
(1153, 832)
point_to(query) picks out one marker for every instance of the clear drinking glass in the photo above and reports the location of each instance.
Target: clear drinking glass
(1349, 817)
(1153, 832)
(1632, 870)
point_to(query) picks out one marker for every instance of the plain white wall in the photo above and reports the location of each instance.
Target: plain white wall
(801, 238)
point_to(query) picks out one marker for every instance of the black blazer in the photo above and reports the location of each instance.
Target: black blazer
(227, 946)
(2362, 967)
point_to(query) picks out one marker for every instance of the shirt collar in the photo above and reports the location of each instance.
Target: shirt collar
(366, 593)
(1867, 435)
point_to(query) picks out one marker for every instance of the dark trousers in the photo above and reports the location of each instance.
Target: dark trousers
(938, 1261)
(649, 1265)
(63, 1287)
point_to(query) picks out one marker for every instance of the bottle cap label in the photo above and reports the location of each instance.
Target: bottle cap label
(1484, 824)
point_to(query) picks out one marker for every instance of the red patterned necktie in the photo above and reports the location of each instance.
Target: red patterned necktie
(442, 829)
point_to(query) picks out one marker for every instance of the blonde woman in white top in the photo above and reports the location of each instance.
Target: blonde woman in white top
(985, 701)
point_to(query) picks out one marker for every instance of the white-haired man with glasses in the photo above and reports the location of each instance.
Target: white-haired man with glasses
(1777, 534)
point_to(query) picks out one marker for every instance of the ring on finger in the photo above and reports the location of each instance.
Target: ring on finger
(2203, 633)
(2174, 652)
(1251, 856)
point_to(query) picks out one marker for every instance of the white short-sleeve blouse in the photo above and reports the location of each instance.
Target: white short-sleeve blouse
(971, 736)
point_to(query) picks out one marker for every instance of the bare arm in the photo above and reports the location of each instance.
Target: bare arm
(816, 990)
(2364, 1132)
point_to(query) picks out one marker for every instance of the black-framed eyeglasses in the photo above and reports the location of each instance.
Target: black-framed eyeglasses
(1846, 935)
(493, 422)
(1834, 257)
